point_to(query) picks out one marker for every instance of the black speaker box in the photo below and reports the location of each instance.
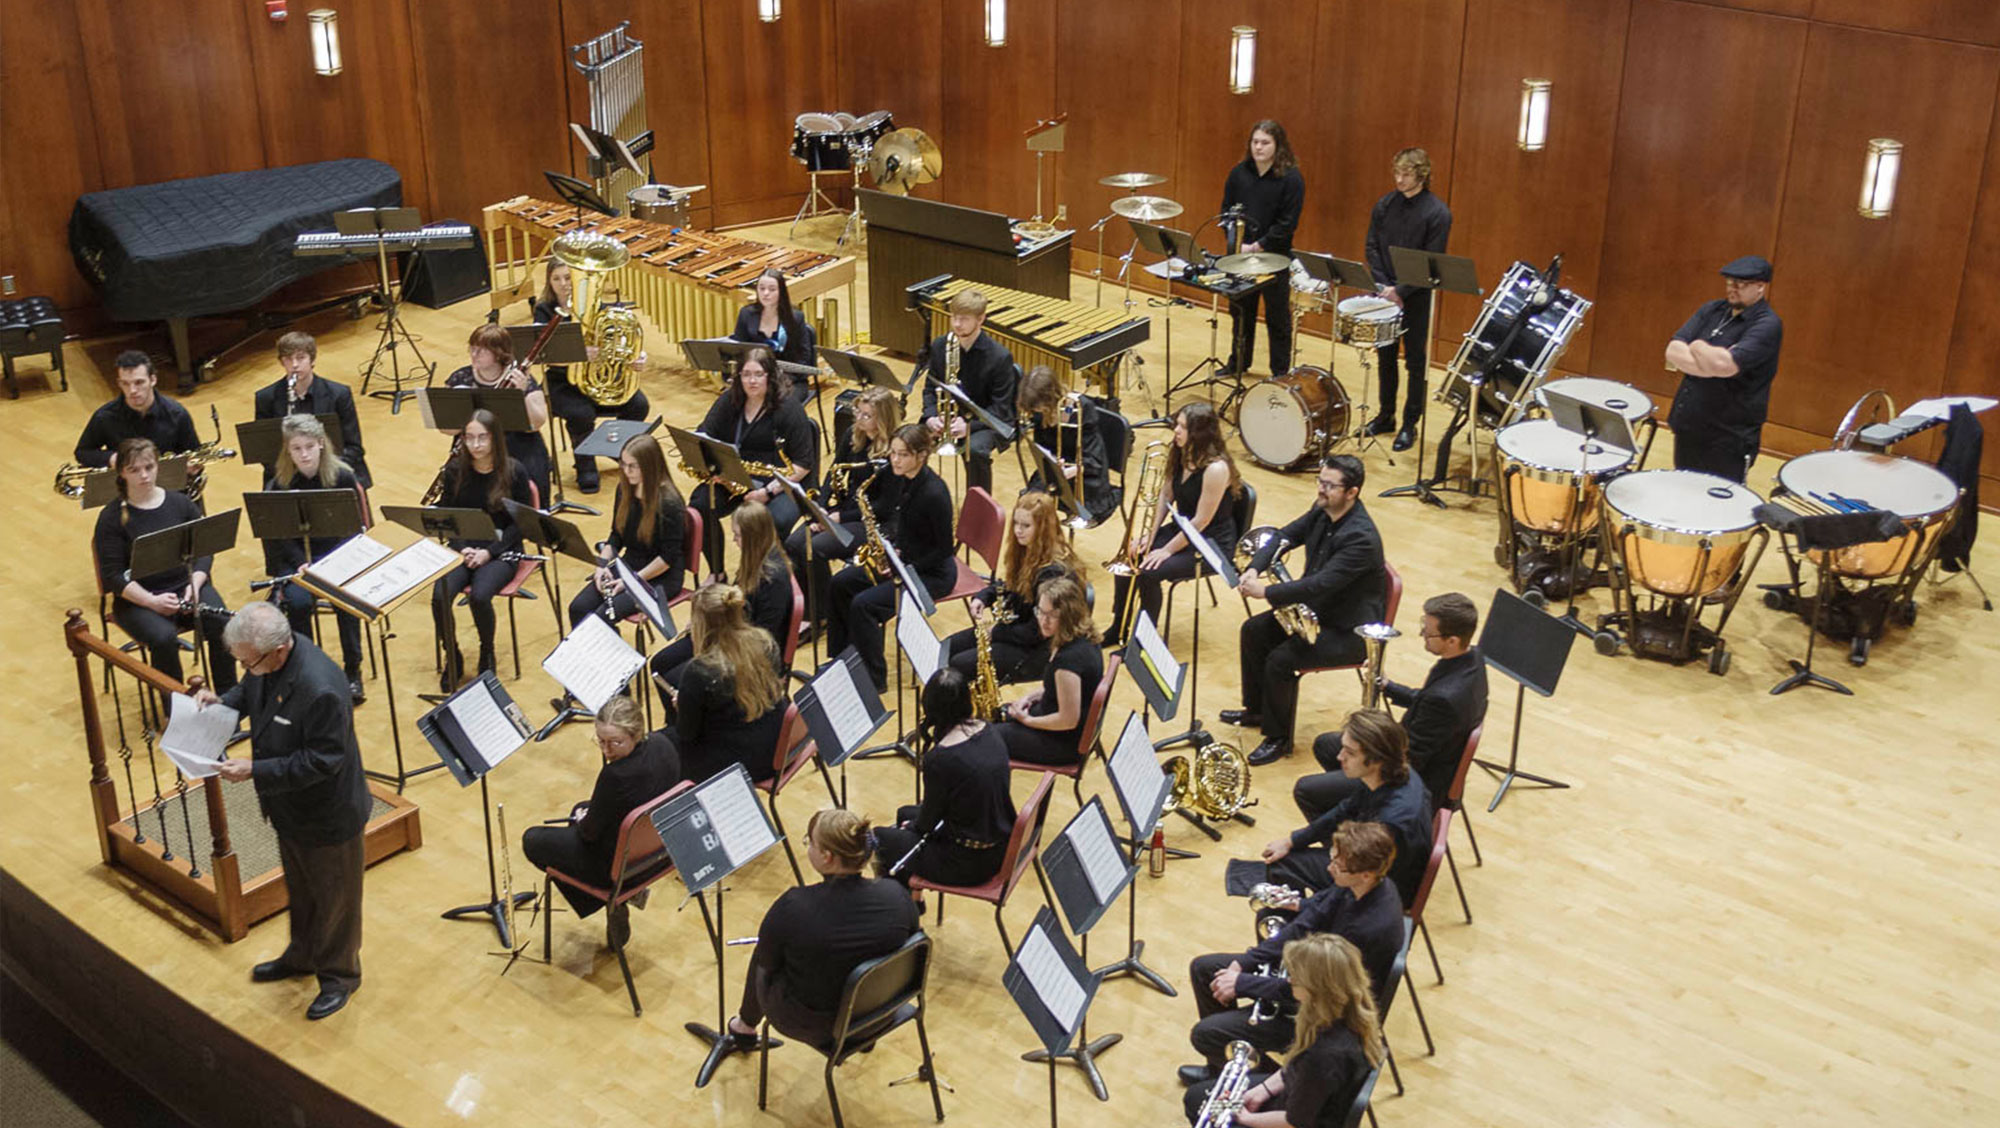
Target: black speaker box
(436, 279)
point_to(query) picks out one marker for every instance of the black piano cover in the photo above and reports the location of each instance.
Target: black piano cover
(216, 244)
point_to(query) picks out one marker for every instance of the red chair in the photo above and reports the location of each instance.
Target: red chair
(1024, 851)
(1454, 802)
(639, 860)
(789, 645)
(1389, 616)
(691, 543)
(981, 527)
(1089, 740)
(795, 749)
(1414, 915)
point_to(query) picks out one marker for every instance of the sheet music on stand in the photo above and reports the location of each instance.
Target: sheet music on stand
(643, 595)
(197, 739)
(369, 577)
(714, 829)
(1160, 675)
(1049, 982)
(1085, 867)
(919, 641)
(593, 663)
(354, 556)
(1137, 778)
(913, 588)
(1217, 562)
(476, 729)
(841, 708)
(403, 573)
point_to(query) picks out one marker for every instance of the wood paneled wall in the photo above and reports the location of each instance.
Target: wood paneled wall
(1684, 133)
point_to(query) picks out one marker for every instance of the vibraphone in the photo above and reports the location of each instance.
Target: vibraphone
(688, 283)
(1080, 341)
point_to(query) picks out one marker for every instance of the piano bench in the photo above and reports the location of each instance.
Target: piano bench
(30, 327)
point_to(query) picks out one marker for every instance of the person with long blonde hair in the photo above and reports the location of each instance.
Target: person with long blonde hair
(1202, 484)
(648, 528)
(762, 572)
(730, 705)
(1337, 1041)
(1046, 726)
(1036, 553)
(307, 461)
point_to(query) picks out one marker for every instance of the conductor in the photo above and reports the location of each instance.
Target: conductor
(306, 767)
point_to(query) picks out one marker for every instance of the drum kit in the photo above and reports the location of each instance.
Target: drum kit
(840, 142)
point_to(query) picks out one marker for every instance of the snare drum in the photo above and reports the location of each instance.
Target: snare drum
(819, 142)
(1291, 419)
(1367, 322)
(1681, 532)
(657, 203)
(1921, 495)
(1551, 475)
(1635, 405)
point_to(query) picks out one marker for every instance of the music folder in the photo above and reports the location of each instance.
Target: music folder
(913, 588)
(367, 577)
(1216, 561)
(593, 663)
(1049, 982)
(841, 708)
(260, 440)
(714, 828)
(918, 640)
(475, 729)
(1137, 778)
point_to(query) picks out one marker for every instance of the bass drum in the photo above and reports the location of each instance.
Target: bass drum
(1291, 419)
(1534, 350)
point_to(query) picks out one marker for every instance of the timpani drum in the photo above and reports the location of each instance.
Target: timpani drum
(1295, 418)
(1921, 495)
(1635, 405)
(1681, 532)
(1369, 322)
(1550, 476)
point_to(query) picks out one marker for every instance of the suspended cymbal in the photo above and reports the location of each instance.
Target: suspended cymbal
(1263, 262)
(1147, 208)
(903, 158)
(1130, 180)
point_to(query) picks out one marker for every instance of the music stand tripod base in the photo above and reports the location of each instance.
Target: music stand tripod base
(1084, 1057)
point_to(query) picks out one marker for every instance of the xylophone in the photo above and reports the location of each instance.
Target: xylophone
(688, 283)
(1073, 338)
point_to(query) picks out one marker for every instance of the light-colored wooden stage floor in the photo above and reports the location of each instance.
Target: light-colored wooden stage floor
(1747, 910)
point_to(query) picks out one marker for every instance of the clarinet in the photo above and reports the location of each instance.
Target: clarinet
(906, 858)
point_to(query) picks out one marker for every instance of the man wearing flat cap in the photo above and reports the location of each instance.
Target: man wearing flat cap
(1727, 354)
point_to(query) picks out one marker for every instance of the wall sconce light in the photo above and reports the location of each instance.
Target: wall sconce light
(324, 27)
(1878, 177)
(1242, 59)
(996, 23)
(1534, 136)
(768, 11)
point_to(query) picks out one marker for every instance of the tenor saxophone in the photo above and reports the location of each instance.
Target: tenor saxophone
(870, 554)
(986, 685)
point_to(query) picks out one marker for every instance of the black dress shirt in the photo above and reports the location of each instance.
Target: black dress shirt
(285, 556)
(713, 733)
(304, 761)
(647, 772)
(119, 525)
(1093, 481)
(1085, 659)
(1021, 629)
(1404, 808)
(664, 541)
(815, 935)
(915, 516)
(792, 343)
(469, 490)
(1730, 405)
(1344, 581)
(784, 426)
(967, 785)
(770, 602)
(324, 397)
(1421, 222)
(167, 423)
(524, 446)
(1373, 924)
(1271, 204)
(986, 376)
(1322, 1081)
(1440, 717)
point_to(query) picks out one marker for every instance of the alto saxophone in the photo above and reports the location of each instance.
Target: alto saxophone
(986, 685)
(870, 554)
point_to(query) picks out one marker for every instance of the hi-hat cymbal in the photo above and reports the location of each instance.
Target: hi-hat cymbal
(1263, 262)
(1130, 180)
(1146, 207)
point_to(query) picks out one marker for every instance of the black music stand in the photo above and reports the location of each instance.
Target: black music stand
(928, 654)
(1431, 271)
(1219, 565)
(556, 537)
(1338, 273)
(1142, 814)
(101, 486)
(1160, 675)
(1531, 647)
(1053, 988)
(578, 194)
(812, 512)
(611, 436)
(472, 731)
(1087, 873)
(841, 711)
(1605, 432)
(1825, 534)
(261, 440)
(303, 515)
(710, 832)
(450, 409)
(565, 346)
(379, 224)
(179, 545)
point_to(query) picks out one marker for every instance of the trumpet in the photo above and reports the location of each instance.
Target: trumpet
(1144, 505)
(1226, 1099)
(1375, 637)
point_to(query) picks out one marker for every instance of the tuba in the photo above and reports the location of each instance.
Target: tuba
(1215, 786)
(1297, 619)
(613, 330)
(1375, 637)
(1144, 506)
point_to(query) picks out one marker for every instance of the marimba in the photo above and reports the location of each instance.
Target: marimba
(1070, 337)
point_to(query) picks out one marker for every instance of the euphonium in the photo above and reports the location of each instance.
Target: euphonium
(986, 683)
(1375, 637)
(947, 404)
(1226, 1099)
(613, 330)
(1144, 505)
(199, 458)
(1297, 619)
(1215, 786)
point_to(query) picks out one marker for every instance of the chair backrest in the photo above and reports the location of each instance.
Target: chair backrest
(638, 839)
(1245, 513)
(878, 988)
(1116, 430)
(1093, 716)
(980, 524)
(1395, 599)
(1359, 1108)
(1457, 793)
(1025, 843)
(367, 511)
(794, 749)
(691, 539)
(789, 645)
(1440, 841)
(525, 568)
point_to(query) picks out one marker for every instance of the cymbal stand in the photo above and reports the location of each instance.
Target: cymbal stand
(857, 154)
(1098, 272)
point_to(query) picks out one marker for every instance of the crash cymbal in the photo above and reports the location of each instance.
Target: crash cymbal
(1149, 208)
(904, 158)
(1263, 262)
(1130, 180)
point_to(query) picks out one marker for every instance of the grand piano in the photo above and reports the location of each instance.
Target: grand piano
(216, 244)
